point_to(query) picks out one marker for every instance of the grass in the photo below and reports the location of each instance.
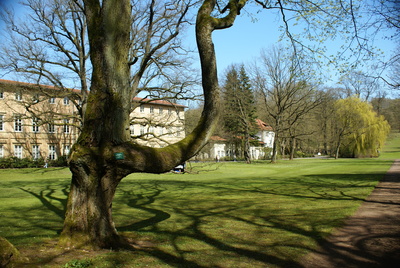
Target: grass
(233, 215)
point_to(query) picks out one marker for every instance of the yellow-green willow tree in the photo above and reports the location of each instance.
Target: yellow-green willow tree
(360, 131)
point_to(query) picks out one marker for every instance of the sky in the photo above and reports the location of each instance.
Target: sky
(243, 42)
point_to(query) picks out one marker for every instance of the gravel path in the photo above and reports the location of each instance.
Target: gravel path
(369, 238)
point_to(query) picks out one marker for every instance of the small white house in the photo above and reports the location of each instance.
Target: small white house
(219, 148)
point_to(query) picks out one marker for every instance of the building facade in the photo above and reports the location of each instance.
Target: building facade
(220, 148)
(39, 121)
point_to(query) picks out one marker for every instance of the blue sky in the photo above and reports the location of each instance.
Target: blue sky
(243, 42)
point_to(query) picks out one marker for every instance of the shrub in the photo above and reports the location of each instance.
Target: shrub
(15, 162)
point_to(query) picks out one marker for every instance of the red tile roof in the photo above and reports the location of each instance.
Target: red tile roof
(263, 126)
(24, 84)
(137, 99)
(217, 138)
(158, 102)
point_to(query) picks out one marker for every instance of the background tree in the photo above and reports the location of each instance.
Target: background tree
(52, 49)
(385, 16)
(239, 110)
(359, 130)
(390, 109)
(324, 116)
(286, 97)
(359, 84)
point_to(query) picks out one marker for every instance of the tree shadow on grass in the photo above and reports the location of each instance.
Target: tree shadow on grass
(47, 198)
(196, 220)
(329, 187)
(176, 217)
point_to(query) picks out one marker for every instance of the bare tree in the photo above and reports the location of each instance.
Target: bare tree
(286, 96)
(359, 84)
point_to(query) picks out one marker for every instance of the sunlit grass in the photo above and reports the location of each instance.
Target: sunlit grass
(232, 215)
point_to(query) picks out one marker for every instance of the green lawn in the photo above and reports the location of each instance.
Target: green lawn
(228, 215)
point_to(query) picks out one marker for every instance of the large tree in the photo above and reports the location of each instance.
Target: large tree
(96, 171)
(239, 110)
(114, 49)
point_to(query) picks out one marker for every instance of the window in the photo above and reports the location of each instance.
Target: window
(35, 98)
(1, 95)
(52, 128)
(67, 149)
(142, 108)
(18, 96)
(169, 111)
(142, 130)
(1, 122)
(18, 123)
(66, 101)
(35, 124)
(152, 109)
(52, 152)
(52, 100)
(66, 126)
(1, 150)
(35, 152)
(161, 110)
(18, 151)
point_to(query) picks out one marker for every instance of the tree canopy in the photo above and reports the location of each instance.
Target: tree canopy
(360, 131)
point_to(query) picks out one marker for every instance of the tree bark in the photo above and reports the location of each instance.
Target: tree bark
(292, 147)
(96, 172)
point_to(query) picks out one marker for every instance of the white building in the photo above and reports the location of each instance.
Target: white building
(219, 148)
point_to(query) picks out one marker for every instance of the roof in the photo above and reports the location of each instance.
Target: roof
(157, 102)
(32, 85)
(263, 126)
(137, 99)
(217, 138)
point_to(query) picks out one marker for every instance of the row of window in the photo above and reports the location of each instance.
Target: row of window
(18, 125)
(52, 100)
(35, 153)
(152, 110)
(155, 130)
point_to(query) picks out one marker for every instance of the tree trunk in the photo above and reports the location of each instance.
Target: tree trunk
(275, 150)
(88, 220)
(246, 151)
(292, 148)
